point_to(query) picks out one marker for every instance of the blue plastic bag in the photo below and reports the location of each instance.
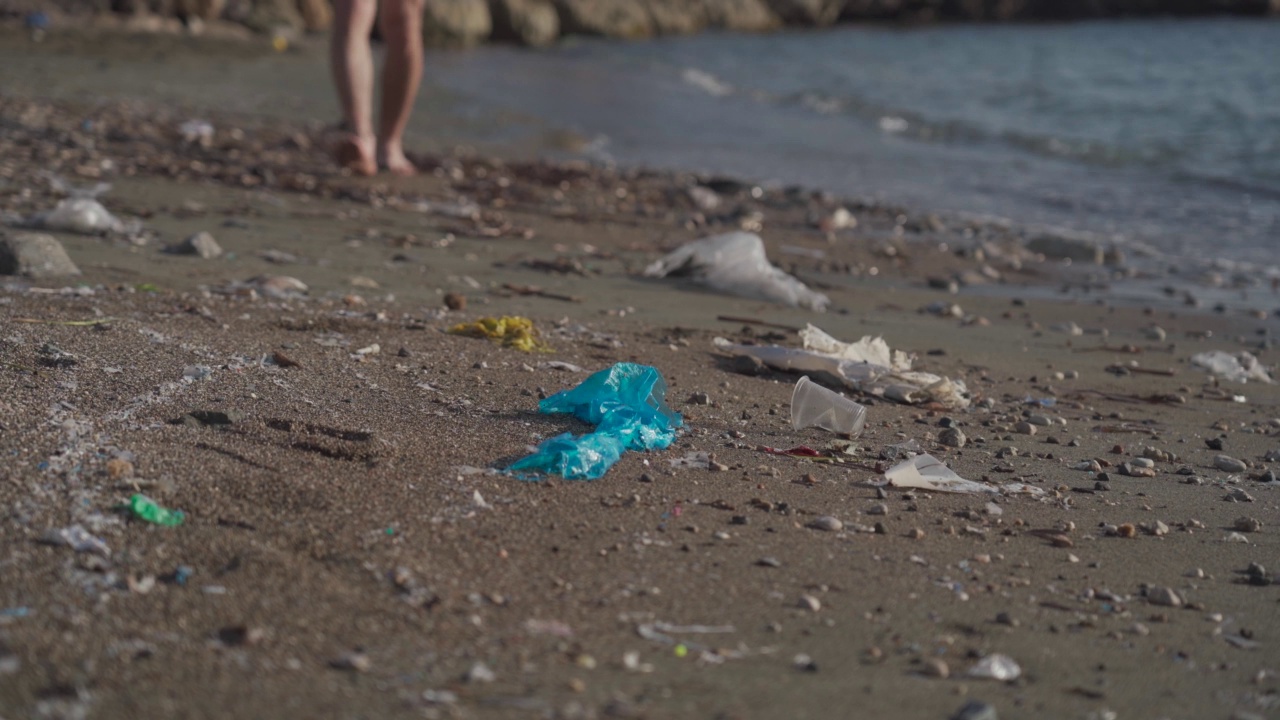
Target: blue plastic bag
(626, 403)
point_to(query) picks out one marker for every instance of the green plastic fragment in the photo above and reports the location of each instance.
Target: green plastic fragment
(144, 508)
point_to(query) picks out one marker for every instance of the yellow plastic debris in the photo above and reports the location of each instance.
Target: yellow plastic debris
(511, 330)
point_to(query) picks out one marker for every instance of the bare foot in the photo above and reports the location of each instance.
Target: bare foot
(395, 162)
(356, 154)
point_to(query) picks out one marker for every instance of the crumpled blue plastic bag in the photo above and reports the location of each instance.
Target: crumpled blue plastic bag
(626, 403)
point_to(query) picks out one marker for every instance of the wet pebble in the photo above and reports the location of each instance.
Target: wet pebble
(1227, 463)
(1164, 596)
(1247, 524)
(976, 710)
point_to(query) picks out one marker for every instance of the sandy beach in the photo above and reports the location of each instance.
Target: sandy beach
(351, 547)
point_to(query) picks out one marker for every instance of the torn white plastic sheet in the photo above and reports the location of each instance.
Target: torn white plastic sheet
(1239, 367)
(735, 263)
(869, 366)
(79, 212)
(925, 472)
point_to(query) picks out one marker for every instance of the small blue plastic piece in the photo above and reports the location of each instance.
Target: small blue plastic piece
(626, 403)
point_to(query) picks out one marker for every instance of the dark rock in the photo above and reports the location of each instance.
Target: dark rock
(608, 18)
(527, 22)
(807, 12)
(456, 23)
(34, 255)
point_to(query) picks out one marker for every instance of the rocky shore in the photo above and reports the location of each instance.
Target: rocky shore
(454, 23)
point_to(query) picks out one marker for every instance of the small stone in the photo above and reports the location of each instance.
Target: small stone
(1127, 530)
(1238, 495)
(769, 562)
(880, 529)
(1061, 541)
(1142, 462)
(915, 533)
(826, 522)
(1214, 443)
(200, 244)
(353, 661)
(1164, 596)
(1227, 463)
(119, 469)
(1256, 570)
(810, 603)
(1247, 524)
(455, 301)
(952, 437)
(699, 398)
(878, 509)
(976, 710)
(1041, 420)
(480, 673)
(1024, 428)
(935, 668)
(237, 635)
(34, 255)
(1159, 529)
(1131, 470)
(1155, 332)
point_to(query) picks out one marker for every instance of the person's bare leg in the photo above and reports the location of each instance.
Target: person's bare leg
(401, 26)
(351, 61)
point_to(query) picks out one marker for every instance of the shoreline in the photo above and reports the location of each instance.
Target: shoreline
(350, 548)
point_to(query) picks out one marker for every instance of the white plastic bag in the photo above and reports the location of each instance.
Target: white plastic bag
(735, 263)
(1240, 367)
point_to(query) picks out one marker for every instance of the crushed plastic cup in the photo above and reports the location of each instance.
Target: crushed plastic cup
(144, 508)
(815, 406)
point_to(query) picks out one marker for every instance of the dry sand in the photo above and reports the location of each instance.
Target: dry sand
(334, 521)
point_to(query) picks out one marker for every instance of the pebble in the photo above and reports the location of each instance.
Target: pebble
(699, 398)
(952, 437)
(769, 562)
(935, 668)
(915, 533)
(1164, 596)
(455, 301)
(1238, 495)
(1247, 524)
(878, 509)
(1142, 462)
(34, 255)
(480, 673)
(1136, 471)
(1155, 332)
(353, 661)
(810, 603)
(826, 522)
(1214, 443)
(1227, 463)
(118, 469)
(1024, 428)
(1041, 420)
(201, 244)
(976, 710)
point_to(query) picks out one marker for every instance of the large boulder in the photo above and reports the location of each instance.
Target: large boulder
(34, 255)
(610, 18)
(317, 15)
(807, 12)
(528, 22)
(456, 23)
(267, 16)
(677, 17)
(740, 15)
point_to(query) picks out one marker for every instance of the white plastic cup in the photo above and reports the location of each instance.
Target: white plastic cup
(815, 406)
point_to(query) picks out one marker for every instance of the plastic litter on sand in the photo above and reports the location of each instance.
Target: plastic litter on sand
(144, 508)
(925, 472)
(735, 263)
(815, 406)
(868, 365)
(1239, 367)
(626, 403)
(510, 330)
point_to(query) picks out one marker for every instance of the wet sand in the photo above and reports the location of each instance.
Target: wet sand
(338, 515)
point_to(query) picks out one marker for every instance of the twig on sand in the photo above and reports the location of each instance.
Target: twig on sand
(76, 323)
(539, 292)
(753, 321)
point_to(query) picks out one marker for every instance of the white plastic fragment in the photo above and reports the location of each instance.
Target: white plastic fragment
(76, 538)
(1240, 367)
(996, 667)
(735, 263)
(925, 472)
(79, 212)
(868, 365)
